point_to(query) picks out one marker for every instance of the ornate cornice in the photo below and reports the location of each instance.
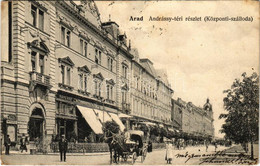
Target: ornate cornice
(66, 60)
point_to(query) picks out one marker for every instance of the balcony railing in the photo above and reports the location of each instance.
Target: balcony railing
(110, 101)
(39, 78)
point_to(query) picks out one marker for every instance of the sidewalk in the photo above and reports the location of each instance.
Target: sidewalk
(57, 153)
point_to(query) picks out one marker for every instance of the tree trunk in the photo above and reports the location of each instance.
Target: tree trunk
(252, 150)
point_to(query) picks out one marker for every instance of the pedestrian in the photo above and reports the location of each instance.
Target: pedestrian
(168, 156)
(7, 144)
(150, 146)
(63, 146)
(23, 142)
(207, 146)
(216, 146)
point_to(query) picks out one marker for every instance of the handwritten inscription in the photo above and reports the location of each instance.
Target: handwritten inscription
(219, 157)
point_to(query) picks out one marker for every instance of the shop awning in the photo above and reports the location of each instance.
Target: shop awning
(118, 121)
(121, 115)
(149, 123)
(161, 125)
(100, 115)
(91, 119)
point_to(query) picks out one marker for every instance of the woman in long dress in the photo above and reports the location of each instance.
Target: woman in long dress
(168, 156)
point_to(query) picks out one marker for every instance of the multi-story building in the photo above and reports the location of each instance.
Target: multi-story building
(63, 71)
(193, 120)
(150, 92)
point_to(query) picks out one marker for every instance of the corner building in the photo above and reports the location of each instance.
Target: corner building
(63, 71)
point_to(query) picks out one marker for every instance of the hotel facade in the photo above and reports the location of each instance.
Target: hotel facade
(63, 71)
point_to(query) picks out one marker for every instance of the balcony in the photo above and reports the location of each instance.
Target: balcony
(126, 108)
(110, 101)
(39, 79)
(66, 87)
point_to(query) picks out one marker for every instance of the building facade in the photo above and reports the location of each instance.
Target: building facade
(150, 92)
(63, 71)
(192, 120)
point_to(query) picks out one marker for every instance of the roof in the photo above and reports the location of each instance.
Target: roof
(148, 65)
(162, 75)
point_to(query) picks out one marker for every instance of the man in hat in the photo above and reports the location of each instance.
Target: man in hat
(7, 144)
(63, 146)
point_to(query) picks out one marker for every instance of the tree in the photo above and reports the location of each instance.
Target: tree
(111, 126)
(242, 104)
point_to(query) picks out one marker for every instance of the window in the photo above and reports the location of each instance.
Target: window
(80, 81)
(33, 58)
(68, 76)
(68, 38)
(41, 20)
(86, 49)
(65, 36)
(38, 59)
(124, 96)
(108, 89)
(62, 74)
(62, 35)
(81, 46)
(110, 63)
(109, 92)
(96, 56)
(99, 89)
(34, 15)
(41, 64)
(124, 70)
(37, 17)
(96, 88)
(83, 82)
(99, 57)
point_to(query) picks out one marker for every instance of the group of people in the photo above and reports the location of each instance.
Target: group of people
(23, 144)
(169, 147)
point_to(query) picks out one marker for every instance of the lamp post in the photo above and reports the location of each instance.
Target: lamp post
(103, 104)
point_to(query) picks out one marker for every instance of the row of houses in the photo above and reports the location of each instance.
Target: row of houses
(63, 71)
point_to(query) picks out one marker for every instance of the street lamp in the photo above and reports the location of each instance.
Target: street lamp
(103, 104)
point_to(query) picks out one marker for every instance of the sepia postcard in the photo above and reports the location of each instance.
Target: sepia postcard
(139, 82)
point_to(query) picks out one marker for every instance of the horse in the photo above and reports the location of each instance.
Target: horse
(116, 145)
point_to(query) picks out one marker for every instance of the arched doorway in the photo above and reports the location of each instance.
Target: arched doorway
(36, 124)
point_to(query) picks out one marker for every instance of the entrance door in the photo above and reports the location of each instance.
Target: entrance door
(36, 125)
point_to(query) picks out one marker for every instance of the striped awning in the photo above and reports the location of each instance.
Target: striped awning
(91, 119)
(102, 115)
(118, 121)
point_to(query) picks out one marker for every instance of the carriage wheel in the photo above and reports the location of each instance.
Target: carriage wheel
(133, 157)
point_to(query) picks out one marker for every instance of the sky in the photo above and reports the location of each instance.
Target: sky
(201, 58)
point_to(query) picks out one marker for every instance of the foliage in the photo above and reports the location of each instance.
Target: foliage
(155, 131)
(163, 132)
(111, 126)
(241, 102)
(144, 128)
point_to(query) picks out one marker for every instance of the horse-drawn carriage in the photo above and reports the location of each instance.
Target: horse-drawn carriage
(133, 146)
